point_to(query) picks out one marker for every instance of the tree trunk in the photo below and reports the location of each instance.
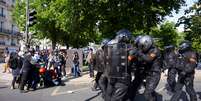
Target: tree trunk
(53, 45)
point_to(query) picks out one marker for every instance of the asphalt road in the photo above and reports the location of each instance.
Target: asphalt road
(80, 91)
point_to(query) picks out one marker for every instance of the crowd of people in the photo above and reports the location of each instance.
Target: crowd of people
(125, 64)
(34, 69)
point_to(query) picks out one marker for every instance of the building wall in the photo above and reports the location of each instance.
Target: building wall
(8, 29)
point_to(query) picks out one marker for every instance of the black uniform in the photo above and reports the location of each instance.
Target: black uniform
(169, 62)
(27, 68)
(148, 67)
(186, 64)
(117, 71)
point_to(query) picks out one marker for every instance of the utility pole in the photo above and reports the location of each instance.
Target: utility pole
(27, 26)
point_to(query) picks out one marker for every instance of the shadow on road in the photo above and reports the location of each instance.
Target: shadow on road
(91, 98)
(140, 97)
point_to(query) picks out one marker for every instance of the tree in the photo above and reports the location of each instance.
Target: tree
(166, 34)
(77, 22)
(192, 23)
(113, 15)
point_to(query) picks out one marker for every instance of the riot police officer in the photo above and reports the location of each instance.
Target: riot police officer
(26, 72)
(186, 64)
(117, 71)
(148, 67)
(99, 63)
(169, 62)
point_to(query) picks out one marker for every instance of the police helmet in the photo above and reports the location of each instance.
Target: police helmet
(123, 35)
(136, 40)
(184, 45)
(145, 43)
(169, 47)
(104, 42)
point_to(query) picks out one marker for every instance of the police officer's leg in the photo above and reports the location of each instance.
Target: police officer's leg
(150, 86)
(189, 88)
(135, 84)
(23, 80)
(13, 82)
(36, 79)
(171, 78)
(178, 89)
(109, 90)
(103, 85)
(30, 80)
(98, 75)
(120, 91)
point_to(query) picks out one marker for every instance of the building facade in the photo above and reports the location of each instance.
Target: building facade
(8, 30)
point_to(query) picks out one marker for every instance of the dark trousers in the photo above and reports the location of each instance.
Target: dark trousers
(103, 82)
(14, 81)
(36, 79)
(136, 83)
(98, 75)
(91, 70)
(152, 81)
(26, 78)
(188, 82)
(116, 91)
(63, 69)
(58, 72)
(171, 79)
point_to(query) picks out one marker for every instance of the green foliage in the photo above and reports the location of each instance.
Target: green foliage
(77, 22)
(166, 34)
(193, 25)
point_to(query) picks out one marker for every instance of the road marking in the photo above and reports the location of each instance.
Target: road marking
(56, 91)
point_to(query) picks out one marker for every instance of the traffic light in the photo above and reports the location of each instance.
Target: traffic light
(32, 18)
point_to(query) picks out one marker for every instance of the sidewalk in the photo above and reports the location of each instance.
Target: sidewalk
(84, 79)
(4, 76)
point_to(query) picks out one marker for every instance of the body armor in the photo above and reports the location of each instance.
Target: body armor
(116, 60)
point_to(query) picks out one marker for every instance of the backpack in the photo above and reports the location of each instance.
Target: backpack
(13, 63)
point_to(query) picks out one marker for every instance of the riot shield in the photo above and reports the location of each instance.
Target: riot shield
(116, 58)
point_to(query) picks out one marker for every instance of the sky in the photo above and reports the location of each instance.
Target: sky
(175, 16)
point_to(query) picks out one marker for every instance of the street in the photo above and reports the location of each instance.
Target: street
(78, 89)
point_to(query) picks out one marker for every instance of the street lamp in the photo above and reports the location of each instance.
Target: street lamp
(27, 25)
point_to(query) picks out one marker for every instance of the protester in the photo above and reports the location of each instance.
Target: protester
(76, 69)
(90, 62)
(6, 65)
(13, 61)
(63, 64)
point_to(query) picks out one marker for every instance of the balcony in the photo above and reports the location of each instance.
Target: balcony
(2, 43)
(2, 2)
(13, 44)
(2, 16)
(9, 32)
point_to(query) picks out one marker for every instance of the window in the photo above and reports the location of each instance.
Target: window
(1, 26)
(2, 12)
(12, 29)
(13, 2)
(3, 1)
